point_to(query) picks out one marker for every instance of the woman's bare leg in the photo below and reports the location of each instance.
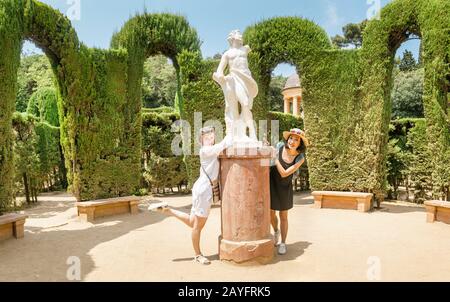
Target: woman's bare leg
(199, 223)
(185, 218)
(274, 220)
(284, 225)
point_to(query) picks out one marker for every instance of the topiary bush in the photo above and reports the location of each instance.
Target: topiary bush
(408, 161)
(330, 79)
(98, 93)
(204, 102)
(399, 19)
(37, 156)
(43, 104)
(161, 168)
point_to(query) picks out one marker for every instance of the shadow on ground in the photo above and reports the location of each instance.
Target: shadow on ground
(295, 250)
(53, 247)
(393, 208)
(303, 198)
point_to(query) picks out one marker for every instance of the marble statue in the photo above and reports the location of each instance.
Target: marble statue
(239, 87)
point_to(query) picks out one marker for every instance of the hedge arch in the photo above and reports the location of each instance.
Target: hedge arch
(330, 79)
(98, 93)
(49, 30)
(151, 34)
(278, 40)
(428, 19)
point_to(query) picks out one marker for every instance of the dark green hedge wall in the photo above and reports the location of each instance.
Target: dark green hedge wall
(330, 79)
(11, 29)
(203, 96)
(428, 19)
(162, 169)
(408, 159)
(285, 122)
(332, 108)
(37, 154)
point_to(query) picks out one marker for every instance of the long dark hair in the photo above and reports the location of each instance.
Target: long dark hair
(301, 149)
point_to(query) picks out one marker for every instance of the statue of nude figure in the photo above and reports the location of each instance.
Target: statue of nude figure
(239, 88)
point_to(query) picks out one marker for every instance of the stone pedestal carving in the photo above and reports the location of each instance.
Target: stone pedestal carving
(244, 177)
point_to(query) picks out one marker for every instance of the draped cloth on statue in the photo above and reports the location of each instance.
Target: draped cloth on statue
(243, 85)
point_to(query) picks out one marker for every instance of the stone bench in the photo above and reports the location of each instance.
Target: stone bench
(438, 211)
(343, 200)
(88, 211)
(12, 225)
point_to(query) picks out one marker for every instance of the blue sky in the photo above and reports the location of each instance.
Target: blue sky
(213, 19)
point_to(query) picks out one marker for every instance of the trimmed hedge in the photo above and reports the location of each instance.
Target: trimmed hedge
(346, 92)
(161, 168)
(37, 154)
(286, 122)
(428, 19)
(11, 29)
(330, 79)
(43, 104)
(203, 96)
(408, 158)
(278, 40)
(98, 93)
(150, 34)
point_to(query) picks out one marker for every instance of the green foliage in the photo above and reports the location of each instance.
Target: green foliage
(286, 122)
(407, 94)
(34, 73)
(43, 104)
(272, 43)
(408, 158)
(347, 97)
(408, 63)
(153, 34)
(162, 169)
(353, 35)
(203, 96)
(275, 93)
(10, 44)
(399, 20)
(38, 154)
(159, 83)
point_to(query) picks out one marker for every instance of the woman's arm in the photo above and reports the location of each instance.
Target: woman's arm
(215, 150)
(286, 173)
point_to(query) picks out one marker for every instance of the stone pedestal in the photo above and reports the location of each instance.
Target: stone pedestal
(245, 187)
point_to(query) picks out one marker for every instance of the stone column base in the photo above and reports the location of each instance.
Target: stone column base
(260, 251)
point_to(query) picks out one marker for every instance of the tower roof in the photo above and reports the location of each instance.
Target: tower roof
(293, 82)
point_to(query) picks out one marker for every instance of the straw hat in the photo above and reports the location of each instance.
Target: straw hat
(296, 132)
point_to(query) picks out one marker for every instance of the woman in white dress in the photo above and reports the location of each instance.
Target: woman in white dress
(202, 194)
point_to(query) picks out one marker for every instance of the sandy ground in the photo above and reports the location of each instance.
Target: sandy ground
(394, 244)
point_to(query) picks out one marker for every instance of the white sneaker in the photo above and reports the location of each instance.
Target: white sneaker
(282, 249)
(276, 237)
(158, 207)
(202, 260)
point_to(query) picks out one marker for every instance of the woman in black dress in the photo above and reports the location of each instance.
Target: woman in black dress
(289, 158)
